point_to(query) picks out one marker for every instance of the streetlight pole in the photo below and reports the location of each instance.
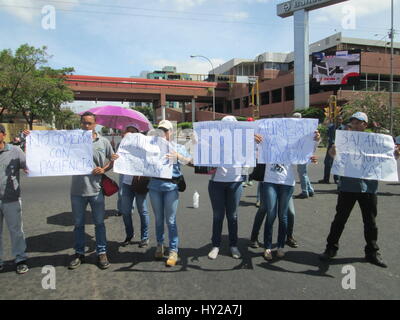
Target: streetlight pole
(391, 74)
(212, 67)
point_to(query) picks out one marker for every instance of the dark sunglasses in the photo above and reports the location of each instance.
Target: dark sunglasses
(87, 123)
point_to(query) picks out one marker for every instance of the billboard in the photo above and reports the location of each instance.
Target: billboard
(336, 68)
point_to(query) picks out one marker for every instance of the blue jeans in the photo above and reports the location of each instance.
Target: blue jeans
(275, 202)
(79, 204)
(165, 206)
(11, 214)
(260, 215)
(258, 191)
(127, 198)
(119, 202)
(306, 187)
(291, 214)
(225, 198)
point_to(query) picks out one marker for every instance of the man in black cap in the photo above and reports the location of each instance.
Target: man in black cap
(12, 159)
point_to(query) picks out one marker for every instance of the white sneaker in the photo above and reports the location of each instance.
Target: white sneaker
(280, 253)
(213, 254)
(268, 254)
(235, 253)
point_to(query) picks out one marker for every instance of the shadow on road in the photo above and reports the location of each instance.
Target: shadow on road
(66, 219)
(56, 241)
(388, 194)
(247, 204)
(189, 258)
(309, 259)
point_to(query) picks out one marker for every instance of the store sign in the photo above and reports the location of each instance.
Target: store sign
(287, 8)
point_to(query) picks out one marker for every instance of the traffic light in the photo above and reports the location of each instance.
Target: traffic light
(327, 113)
(337, 112)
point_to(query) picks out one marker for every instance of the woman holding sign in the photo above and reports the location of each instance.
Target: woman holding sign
(276, 194)
(164, 196)
(225, 189)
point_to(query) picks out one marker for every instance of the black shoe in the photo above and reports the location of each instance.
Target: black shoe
(301, 196)
(103, 261)
(291, 242)
(22, 267)
(127, 241)
(118, 214)
(144, 243)
(327, 255)
(254, 244)
(311, 194)
(323, 181)
(77, 261)
(1, 267)
(376, 259)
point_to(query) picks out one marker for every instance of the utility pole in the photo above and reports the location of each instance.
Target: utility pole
(391, 72)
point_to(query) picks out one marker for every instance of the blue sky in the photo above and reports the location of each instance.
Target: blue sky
(125, 37)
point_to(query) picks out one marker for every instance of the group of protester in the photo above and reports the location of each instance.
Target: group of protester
(225, 188)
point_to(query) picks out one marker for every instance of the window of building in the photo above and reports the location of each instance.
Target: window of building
(276, 66)
(289, 93)
(245, 102)
(264, 96)
(236, 104)
(276, 95)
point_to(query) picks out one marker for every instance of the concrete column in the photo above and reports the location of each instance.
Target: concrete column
(162, 112)
(193, 110)
(301, 60)
(163, 103)
(183, 111)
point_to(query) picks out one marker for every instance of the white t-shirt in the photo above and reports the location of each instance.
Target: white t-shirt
(279, 174)
(228, 175)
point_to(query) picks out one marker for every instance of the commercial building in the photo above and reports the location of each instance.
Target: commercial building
(275, 72)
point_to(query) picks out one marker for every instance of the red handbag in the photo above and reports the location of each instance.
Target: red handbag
(108, 185)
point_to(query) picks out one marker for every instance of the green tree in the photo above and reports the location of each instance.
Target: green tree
(147, 111)
(313, 112)
(376, 106)
(65, 118)
(31, 88)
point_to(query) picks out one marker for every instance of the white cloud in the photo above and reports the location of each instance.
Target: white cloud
(182, 5)
(362, 8)
(28, 10)
(237, 16)
(19, 9)
(193, 65)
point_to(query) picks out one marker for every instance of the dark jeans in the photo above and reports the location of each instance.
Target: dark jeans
(260, 215)
(225, 198)
(368, 204)
(328, 162)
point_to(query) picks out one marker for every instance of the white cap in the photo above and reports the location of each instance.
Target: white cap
(296, 115)
(360, 116)
(166, 124)
(229, 118)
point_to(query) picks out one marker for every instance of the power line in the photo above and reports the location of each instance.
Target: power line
(181, 18)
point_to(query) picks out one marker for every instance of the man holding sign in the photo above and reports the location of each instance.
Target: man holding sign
(12, 159)
(87, 189)
(353, 189)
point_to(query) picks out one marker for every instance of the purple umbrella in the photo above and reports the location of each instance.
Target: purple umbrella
(118, 118)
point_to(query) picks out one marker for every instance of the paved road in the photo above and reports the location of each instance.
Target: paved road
(134, 274)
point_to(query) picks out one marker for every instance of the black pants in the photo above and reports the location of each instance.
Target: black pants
(368, 204)
(328, 166)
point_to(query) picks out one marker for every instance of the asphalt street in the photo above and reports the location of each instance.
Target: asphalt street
(134, 274)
